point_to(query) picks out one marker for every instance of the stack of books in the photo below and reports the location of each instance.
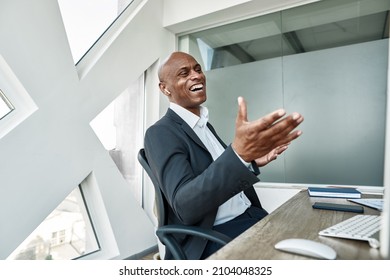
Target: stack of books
(338, 192)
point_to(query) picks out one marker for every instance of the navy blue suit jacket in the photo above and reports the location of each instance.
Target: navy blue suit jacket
(193, 184)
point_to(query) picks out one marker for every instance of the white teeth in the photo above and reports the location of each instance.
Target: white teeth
(196, 87)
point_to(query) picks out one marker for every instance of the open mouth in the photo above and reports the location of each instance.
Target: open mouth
(196, 88)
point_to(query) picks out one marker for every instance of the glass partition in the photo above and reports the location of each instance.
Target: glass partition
(326, 60)
(242, 42)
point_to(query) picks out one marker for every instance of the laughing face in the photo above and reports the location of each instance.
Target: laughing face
(182, 80)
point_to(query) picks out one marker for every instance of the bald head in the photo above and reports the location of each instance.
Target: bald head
(171, 59)
(182, 81)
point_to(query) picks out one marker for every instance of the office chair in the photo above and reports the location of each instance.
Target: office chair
(165, 232)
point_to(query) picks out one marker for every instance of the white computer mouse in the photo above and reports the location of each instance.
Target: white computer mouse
(307, 248)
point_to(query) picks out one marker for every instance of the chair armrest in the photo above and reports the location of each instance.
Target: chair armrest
(164, 233)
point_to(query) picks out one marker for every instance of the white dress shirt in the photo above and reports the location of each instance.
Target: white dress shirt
(236, 205)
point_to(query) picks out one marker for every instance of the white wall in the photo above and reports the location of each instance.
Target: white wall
(385, 232)
(55, 149)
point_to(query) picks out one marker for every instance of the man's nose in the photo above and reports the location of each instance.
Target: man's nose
(195, 75)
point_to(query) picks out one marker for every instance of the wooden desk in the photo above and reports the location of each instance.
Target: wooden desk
(296, 219)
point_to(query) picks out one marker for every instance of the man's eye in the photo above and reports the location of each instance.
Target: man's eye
(183, 74)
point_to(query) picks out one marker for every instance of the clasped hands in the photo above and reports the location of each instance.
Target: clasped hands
(264, 139)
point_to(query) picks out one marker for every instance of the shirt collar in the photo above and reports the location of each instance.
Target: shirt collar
(190, 118)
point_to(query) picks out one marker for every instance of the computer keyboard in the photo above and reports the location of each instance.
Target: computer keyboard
(359, 227)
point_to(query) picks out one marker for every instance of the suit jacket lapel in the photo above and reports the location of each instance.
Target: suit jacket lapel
(190, 132)
(216, 135)
(186, 128)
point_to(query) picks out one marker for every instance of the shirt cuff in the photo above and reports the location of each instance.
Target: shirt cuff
(247, 164)
(252, 166)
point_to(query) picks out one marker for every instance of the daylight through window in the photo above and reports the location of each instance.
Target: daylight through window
(67, 233)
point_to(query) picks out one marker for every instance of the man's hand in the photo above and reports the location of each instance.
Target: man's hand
(271, 156)
(256, 139)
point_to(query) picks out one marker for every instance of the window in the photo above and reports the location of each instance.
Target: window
(119, 127)
(86, 20)
(11, 89)
(67, 233)
(5, 105)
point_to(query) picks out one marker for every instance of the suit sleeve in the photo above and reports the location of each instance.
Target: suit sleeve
(194, 193)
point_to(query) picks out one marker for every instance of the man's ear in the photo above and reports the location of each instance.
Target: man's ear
(164, 89)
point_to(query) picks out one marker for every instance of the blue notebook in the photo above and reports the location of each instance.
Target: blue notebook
(337, 192)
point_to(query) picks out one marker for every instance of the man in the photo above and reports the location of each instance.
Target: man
(205, 182)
